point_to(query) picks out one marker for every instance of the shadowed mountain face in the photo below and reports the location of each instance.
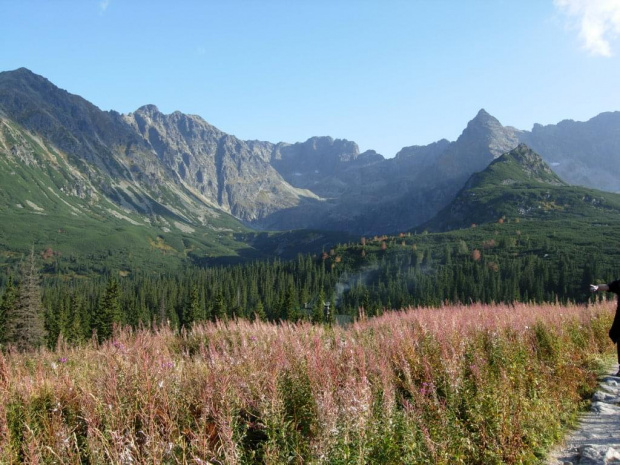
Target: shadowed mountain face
(147, 163)
(582, 153)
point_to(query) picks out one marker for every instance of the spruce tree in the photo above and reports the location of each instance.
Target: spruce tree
(57, 322)
(318, 313)
(318, 309)
(162, 314)
(192, 310)
(25, 328)
(109, 311)
(219, 308)
(77, 329)
(7, 305)
(259, 312)
(290, 312)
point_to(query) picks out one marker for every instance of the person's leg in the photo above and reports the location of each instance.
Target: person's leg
(618, 348)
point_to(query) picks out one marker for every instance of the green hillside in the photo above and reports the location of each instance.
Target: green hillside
(516, 232)
(519, 185)
(47, 203)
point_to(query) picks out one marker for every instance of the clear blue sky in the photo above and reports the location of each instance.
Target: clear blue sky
(383, 73)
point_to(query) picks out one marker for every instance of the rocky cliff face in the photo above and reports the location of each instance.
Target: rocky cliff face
(177, 159)
(483, 140)
(221, 170)
(145, 161)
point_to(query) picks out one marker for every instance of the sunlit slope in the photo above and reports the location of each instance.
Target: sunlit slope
(519, 185)
(47, 202)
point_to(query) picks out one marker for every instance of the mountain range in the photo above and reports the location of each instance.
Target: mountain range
(192, 188)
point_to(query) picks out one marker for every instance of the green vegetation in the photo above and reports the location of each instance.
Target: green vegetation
(538, 240)
(470, 385)
(525, 261)
(48, 203)
(22, 315)
(502, 262)
(520, 185)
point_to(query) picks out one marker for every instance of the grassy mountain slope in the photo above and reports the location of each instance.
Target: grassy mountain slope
(519, 185)
(47, 202)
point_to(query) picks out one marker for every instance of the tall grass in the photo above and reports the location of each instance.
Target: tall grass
(476, 384)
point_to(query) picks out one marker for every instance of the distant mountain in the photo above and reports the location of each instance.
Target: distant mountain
(519, 185)
(168, 155)
(369, 194)
(166, 169)
(131, 189)
(583, 153)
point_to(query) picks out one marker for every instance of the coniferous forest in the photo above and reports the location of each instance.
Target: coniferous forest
(502, 263)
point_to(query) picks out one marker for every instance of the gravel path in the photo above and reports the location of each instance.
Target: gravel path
(597, 439)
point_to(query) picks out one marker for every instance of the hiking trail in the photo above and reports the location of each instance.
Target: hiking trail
(596, 441)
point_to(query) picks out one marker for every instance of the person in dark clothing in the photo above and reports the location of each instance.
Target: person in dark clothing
(614, 332)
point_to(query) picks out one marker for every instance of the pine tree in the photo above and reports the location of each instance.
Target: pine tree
(7, 305)
(162, 314)
(259, 312)
(57, 322)
(317, 312)
(109, 311)
(191, 311)
(290, 312)
(77, 329)
(219, 308)
(25, 327)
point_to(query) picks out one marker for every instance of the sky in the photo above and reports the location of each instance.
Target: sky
(385, 74)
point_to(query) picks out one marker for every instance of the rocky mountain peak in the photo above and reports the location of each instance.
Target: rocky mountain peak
(533, 165)
(23, 83)
(423, 153)
(23, 75)
(341, 148)
(148, 109)
(483, 140)
(370, 156)
(483, 116)
(526, 156)
(483, 125)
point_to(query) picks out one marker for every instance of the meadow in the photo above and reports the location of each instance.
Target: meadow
(477, 384)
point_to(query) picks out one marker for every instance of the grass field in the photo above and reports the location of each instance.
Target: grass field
(476, 384)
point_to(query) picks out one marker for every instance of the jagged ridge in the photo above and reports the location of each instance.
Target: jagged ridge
(147, 162)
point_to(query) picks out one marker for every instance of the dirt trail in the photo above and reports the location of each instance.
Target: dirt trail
(597, 439)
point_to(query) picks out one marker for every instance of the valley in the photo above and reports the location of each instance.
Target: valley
(150, 191)
(327, 233)
(170, 205)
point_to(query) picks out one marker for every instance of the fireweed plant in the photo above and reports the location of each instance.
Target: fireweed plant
(459, 384)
